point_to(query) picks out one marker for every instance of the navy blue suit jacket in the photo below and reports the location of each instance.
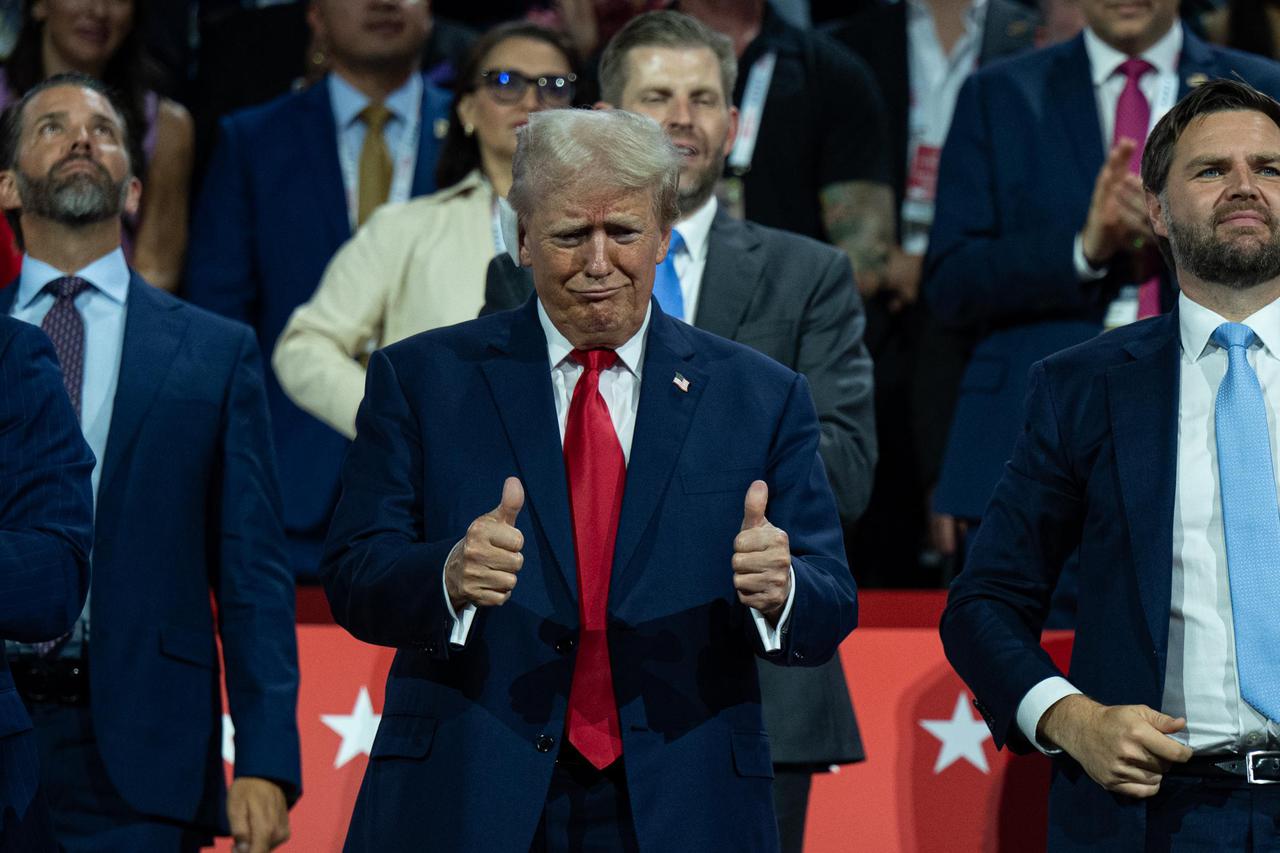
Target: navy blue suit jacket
(1016, 177)
(46, 529)
(188, 505)
(272, 213)
(1093, 472)
(447, 416)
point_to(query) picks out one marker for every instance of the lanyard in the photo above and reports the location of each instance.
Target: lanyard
(404, 160)
(751, 112)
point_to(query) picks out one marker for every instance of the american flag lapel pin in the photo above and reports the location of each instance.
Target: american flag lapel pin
(680, 382)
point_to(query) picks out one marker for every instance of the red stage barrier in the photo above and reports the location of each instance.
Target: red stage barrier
(932, 781)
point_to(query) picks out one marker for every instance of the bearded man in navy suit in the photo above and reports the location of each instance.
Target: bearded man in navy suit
(584, 652)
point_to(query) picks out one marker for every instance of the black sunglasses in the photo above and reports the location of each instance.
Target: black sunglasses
(508, 87)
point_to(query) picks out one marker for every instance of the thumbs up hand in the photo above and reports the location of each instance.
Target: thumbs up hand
(761, 557)
(482, 568)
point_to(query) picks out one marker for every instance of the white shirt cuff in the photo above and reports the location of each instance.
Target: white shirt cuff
(461, 622)
(771, 635)
(1086, 271)
(1038, 700)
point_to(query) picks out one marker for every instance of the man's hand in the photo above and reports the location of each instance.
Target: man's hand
(1117, 219)
(902, 279)
(1124, 748)
(761, 557)
(258, 814)
(482, 569)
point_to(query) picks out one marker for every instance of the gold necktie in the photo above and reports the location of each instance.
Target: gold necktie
(375, 161)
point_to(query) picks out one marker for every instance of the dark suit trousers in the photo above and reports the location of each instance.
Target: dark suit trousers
(89, 815)
(1189, 815)
(587, 810)
(791, 783)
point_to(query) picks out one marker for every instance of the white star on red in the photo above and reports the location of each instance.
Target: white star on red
(962, 736)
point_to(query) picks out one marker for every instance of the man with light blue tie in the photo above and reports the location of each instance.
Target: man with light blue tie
(127, 706)
(1151, 450)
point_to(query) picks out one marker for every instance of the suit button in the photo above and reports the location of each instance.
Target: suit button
(565, 645)
(431, 647)
(544, 743)
(798, 655)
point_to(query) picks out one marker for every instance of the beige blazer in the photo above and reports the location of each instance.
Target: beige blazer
(412, 267)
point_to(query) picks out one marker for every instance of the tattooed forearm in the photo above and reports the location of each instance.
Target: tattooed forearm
(858, 216)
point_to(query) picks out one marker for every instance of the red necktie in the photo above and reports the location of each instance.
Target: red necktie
(1133, 118)
(597, 473)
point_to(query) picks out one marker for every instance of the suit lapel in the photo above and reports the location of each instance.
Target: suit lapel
(1196, 64)
(1143, 399)
(521, 387)
(1071, 97)
(1007, 30)
(424, 170)
(662, 422)
(153, 331)
(318, 140)
(734, 266)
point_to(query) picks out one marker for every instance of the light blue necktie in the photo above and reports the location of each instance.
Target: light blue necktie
(666, 284)
(1251, 521)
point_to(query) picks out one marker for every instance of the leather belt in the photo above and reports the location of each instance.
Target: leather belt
(1259, 767)
(56, 681)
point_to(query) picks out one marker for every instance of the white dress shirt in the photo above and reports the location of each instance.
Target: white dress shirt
(1160, 87)
(935, 78)
(620, 388)
(1201, 683)
(691, 261)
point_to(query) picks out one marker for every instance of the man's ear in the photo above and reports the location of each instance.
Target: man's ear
(9, 199)
(132, 197)
(526, 257)
(732, 137)
(1155, 215)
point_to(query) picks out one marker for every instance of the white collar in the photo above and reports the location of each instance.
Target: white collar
(630, 354)
(1105, 59)
(1197, 323)
(695, 229)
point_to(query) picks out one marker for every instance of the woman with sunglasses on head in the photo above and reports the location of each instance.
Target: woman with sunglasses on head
(103, 39)
(421, 265)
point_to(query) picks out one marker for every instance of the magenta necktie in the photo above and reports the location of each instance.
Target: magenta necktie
(65, 327)
(597, 473)
(1133, 119)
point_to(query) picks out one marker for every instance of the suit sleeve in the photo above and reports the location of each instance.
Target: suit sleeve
(221, 274)
(254, 587)
(998, 604)
(988, 263)
(46, 500)
(383, 582)
(825, 607)
(835, 361)
(315, 358)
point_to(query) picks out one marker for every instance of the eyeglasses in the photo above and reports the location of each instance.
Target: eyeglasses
(508, 87)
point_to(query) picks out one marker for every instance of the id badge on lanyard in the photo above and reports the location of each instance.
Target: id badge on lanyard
(730, 190)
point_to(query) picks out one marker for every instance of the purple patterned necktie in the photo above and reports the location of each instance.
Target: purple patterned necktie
(65, 327)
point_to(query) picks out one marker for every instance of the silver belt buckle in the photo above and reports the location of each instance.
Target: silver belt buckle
(1250, 758)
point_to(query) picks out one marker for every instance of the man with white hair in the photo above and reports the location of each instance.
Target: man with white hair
(579, 673)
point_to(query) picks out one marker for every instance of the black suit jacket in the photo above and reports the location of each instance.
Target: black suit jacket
(793, 299)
